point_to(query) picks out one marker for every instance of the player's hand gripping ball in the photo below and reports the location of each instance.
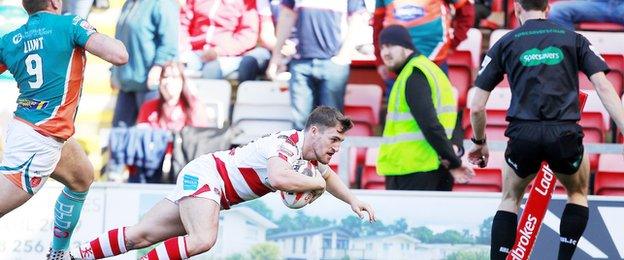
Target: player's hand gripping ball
(297, 200)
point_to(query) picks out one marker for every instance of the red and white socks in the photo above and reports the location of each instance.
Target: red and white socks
(113, 243)
(172, 249)
(109, 244)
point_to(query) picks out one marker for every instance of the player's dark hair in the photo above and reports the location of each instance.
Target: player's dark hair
(533, 5)
(325, 117)
(33, 6)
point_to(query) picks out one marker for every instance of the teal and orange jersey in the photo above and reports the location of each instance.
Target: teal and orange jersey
(428, 22)
(47, 59)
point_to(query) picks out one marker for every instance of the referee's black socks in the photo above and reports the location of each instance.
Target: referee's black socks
(503, 234)
(573, 222)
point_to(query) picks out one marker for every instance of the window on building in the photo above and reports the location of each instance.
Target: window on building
(252, 231)
(342, 243)
(369, 246)
(327, 241)
(386, 246)
(305, 245)
(294, 245)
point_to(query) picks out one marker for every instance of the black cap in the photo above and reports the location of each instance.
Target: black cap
(396, 35)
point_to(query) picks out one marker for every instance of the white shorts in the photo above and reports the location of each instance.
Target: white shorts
(29, 157)
(199, 179)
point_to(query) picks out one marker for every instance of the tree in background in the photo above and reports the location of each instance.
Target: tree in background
(265, 251)
(468, 255)
(300, 221)
(237, 256)
(485, 232)
(260, 207)
(423, 234)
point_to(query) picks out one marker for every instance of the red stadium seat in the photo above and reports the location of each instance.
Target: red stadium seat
(460, 58)
(333, 164)
(364, 72)
(473, 43)
(358, 96)
(488, 179)
(598, 26)
(615, 61)
(615, 77)
(370, 179)
(610, 175)
(363, 120)
(492, 133)
(461, 78)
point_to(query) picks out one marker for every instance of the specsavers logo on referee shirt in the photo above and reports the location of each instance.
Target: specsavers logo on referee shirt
(548, 56)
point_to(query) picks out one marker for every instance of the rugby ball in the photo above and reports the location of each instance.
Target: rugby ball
(297, 200)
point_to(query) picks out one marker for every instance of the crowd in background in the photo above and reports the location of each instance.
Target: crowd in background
(310, 43)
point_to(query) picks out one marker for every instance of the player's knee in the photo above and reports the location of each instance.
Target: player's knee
(136, 239)
(203, 242)
(82, 177)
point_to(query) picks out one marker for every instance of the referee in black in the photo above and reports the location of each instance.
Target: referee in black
(541, 60)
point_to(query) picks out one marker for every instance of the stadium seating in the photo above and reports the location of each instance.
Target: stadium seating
(216, 95)
(597, 26)
(353, 178)
(261, 107)
(362, 103)
(488, 179)
(364, 72)
(460, 74)
(605, 42)
(370, 179)
(473, 45)
(615, 77)
(609, 179)
(496, 109)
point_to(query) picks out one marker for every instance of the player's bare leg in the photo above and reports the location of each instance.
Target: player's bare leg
(161, 222)
(506, 218)
(202, 231)
(575, 215)
(75, 171)
(12, 195)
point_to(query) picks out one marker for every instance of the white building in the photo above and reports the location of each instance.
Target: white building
(240, 228)
(396, 247)
(314, 244)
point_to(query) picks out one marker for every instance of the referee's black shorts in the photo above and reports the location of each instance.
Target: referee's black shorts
(530, 143)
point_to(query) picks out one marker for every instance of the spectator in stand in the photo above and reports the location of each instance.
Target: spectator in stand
(320, 69)
(222, 38)
(82, 8)
(254, 63)
(483, 9)
(567, 13)
(177, 106)
(149, 29)
(428, 23)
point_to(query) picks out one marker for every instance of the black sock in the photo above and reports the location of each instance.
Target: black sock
(573, 222)
(503, 234)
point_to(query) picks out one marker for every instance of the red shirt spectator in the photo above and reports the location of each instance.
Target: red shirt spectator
(177, 106)
(230, 28)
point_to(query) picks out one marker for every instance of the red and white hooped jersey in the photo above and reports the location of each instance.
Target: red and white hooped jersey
(244, 169)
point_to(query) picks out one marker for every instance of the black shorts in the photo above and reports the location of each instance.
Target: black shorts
(560, 144)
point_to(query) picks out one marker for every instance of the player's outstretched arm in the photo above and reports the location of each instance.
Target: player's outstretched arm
(609, 98)
(284, 178)
(107, 48)
(336, 187)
